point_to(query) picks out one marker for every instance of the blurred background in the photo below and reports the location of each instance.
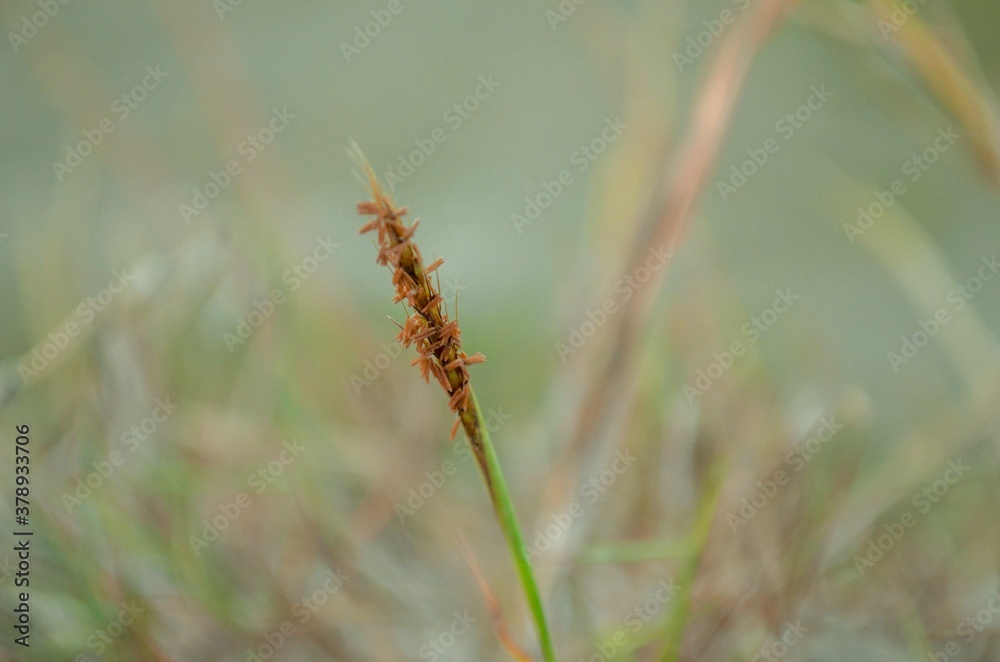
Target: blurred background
(732, 264)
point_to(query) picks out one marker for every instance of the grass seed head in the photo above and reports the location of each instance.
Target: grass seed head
(427, 327)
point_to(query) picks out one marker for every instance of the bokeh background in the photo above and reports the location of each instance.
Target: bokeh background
(231, 460)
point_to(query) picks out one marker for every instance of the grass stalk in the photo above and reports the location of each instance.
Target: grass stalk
(503, 504)
(437, 340)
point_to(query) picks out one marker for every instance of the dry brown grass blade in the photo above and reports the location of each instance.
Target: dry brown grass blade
(496, 615)
(663, 226)
(972, 105)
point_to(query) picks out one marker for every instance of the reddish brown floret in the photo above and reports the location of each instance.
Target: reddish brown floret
(437, 339)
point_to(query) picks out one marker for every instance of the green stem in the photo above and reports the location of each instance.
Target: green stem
(504, 507)
(673, 631)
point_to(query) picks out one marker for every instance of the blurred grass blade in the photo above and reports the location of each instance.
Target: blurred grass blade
(496, 615)
(969, 103)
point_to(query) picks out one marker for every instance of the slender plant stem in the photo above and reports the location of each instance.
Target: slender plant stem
(673, 631)
(438, 344)
(504, 507)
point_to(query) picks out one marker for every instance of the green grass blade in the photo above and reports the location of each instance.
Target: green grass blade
(504, 506)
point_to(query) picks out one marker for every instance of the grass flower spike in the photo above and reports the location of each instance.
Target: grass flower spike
(437, 340)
